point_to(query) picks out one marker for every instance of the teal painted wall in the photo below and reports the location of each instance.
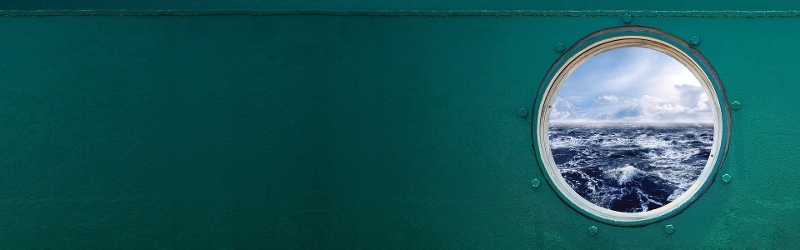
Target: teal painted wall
(677, 5)
(348, 132)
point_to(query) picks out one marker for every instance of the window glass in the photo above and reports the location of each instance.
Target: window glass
(631, 129)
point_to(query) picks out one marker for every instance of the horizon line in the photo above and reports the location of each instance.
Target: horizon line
(709, 122)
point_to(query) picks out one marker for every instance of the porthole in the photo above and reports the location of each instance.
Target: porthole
(630, 126)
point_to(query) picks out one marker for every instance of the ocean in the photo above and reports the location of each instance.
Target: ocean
(630, 167)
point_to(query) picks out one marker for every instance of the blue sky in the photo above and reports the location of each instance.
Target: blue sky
(631, 85)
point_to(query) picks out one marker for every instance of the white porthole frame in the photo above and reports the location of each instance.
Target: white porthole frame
(609, 40)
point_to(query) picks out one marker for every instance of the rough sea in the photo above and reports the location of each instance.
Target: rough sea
(630, 167)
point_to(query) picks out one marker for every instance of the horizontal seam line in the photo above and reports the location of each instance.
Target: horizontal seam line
(435, 13)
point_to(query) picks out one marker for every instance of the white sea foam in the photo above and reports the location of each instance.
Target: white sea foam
(669, 157)
(624, 174)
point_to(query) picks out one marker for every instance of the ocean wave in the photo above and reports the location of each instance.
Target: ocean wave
(624, 174)
(630, 167)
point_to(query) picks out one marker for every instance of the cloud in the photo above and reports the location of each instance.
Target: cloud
(562, 110)
(689, 95)
(651, 108)
(628, 112)
(632, 84)
(607, 99)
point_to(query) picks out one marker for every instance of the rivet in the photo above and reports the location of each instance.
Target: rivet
(535, 183)
(669, 229)
(627, 18)
(735, 105)
(593, 230)
(522, 112)
(726, 178)
(695, 40)
(560, 47)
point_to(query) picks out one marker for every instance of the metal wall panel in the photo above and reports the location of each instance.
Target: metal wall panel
(322, 130)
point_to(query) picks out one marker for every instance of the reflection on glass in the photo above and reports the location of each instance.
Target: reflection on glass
(631, 129)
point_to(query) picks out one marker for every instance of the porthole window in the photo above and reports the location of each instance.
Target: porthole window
(630, 127)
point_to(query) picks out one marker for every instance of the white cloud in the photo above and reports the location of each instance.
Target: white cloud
(632, 84)
(650, 108)
(562, 110)
(629, 112)
(607, 99)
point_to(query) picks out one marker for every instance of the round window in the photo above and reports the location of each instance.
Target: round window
(629, 126)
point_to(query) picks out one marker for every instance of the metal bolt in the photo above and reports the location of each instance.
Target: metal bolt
(627, 18)
(535, 183)
(522, 112)
(695, 40)
(726, 178)
(669, 229)
(593, 230)
(735, 105)
(560, 47)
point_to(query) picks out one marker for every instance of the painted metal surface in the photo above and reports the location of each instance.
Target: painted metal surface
(358, 5)
(311, 129)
